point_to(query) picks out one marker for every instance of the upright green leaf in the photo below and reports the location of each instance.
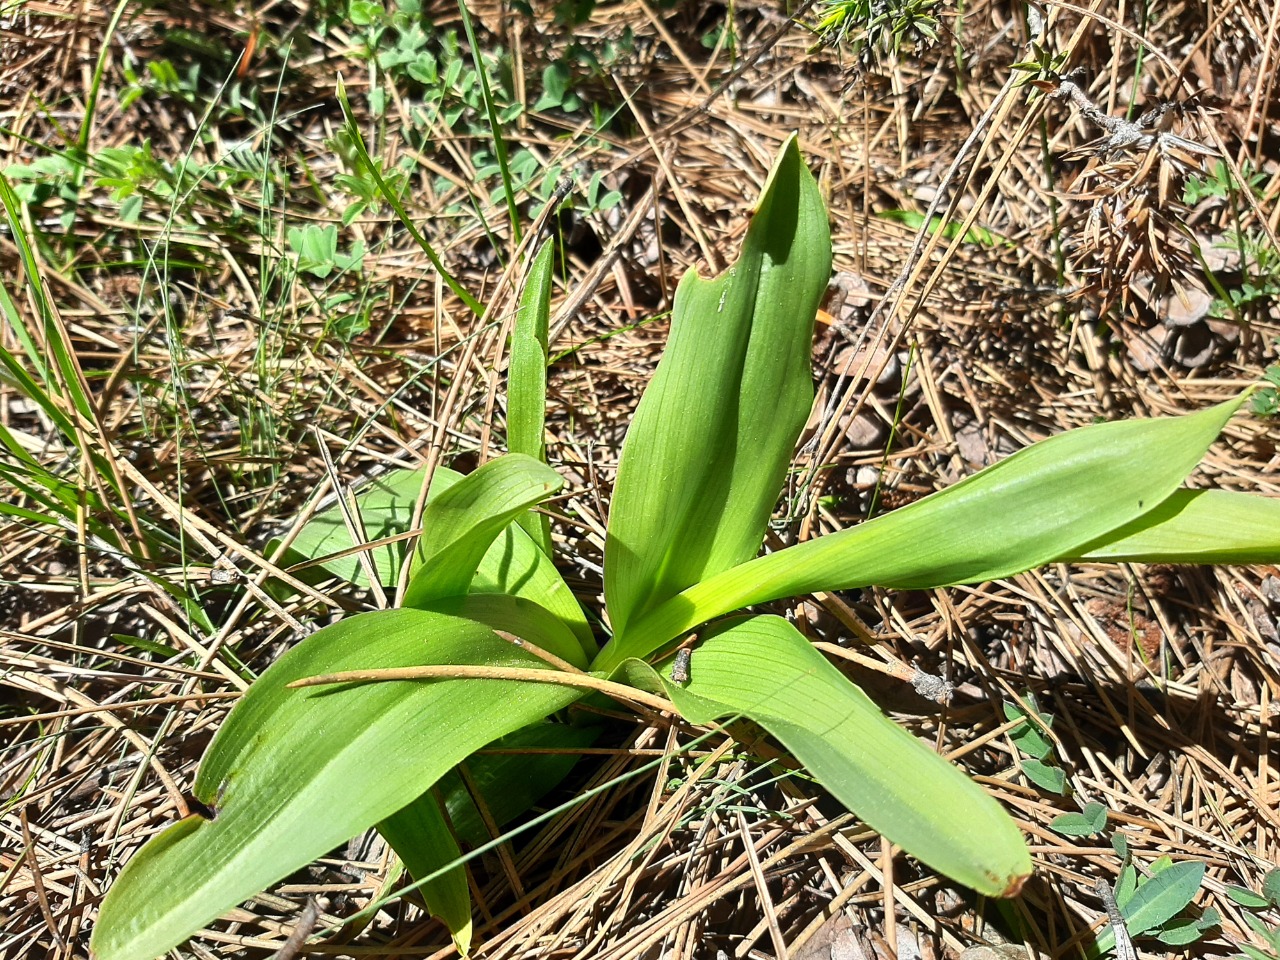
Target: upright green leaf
(295, 772)
(527, 379)
(511, 565)
(1042, 504)
(461, 523)
(712, 439)
(763, 668)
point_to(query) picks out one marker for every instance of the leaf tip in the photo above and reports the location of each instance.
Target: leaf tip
(1012, 886)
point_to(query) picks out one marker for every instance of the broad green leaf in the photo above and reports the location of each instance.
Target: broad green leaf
(515, 565)
(1039, 505)
(461, 523)
(1179, 933)
(1072, 825)
(518, 617)
(511, 565)
(1028, 736)
(1048, 778)
(527, 380)
(712, 438)
(1090, 822)
(1247, 898)
(295, 772)
(1160, 898)
(385, 507)
(764, 669)
(421, 839)
(1195, 526)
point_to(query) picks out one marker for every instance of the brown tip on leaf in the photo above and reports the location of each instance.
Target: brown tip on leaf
(1014, 887)
(198, 808)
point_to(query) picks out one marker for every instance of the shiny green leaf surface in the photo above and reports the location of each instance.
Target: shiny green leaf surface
(1195, 526)
(1034, 507)
(461, 523)
(295, 772)
(764, 669)
(385, 506)
(512, 564)
(527, 379)
(421, 839)
(1157, 899)
(712, 438)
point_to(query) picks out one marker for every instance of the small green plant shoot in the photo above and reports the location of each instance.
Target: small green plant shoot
(357, 724)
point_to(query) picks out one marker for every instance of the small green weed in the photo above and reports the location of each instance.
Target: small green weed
(1039, 765)
(1155, 904)
(876, 28)
(1266, 402)
(1218, 181)
(1266, 900)
(316, 250)
(1090, 822)
(1259, 287)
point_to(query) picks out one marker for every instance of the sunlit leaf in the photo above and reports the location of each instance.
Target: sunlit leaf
(421, 839)
(1160, 898)
(712, 439)
(527, 379)
(293, 773)
(1040, 505)
(512, 564)
(764, 669)
(1195, 526)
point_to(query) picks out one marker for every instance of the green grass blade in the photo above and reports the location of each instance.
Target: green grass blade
(295, 772)
(1039, 505)
(491, 114)
(421, 838)
(527, 379)
(764, 669)
(67, 379)
(712, 439)
(95, 84)
(1195, 526)
(389, 195)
